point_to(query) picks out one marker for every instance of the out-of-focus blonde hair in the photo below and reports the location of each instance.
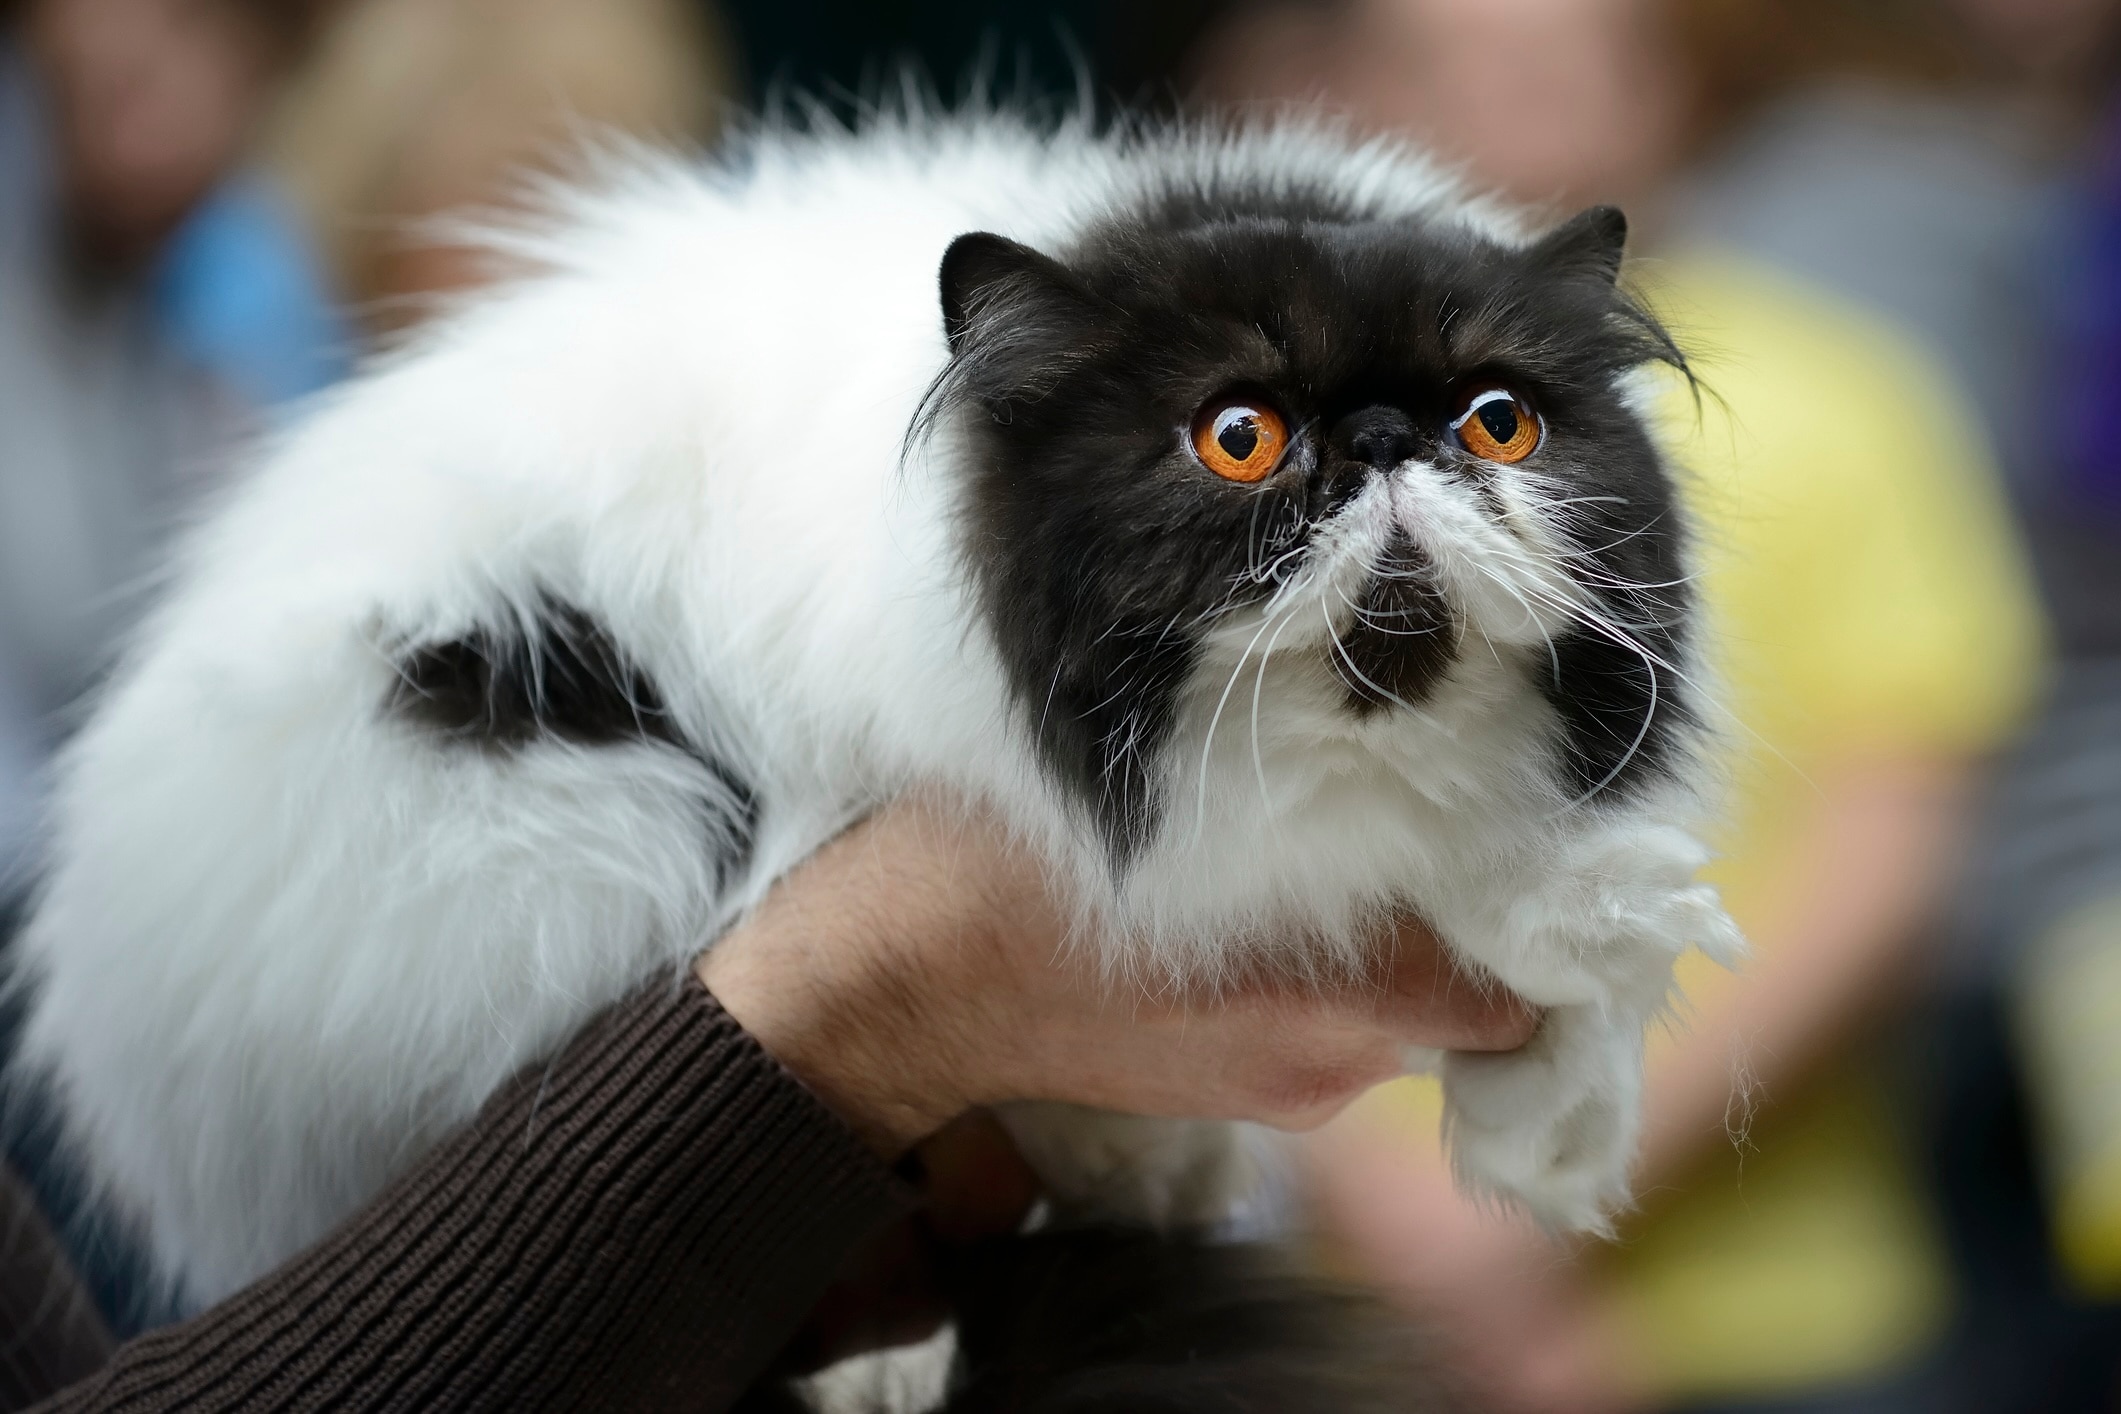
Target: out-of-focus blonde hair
(412, 108)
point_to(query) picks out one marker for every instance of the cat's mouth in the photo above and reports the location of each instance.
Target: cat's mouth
(1415, 564)
(1498, 573)
(1392, 586)
(1400, 635)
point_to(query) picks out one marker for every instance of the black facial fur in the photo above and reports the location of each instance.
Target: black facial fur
(556, 676)
(1105, 550)
(1403, 637)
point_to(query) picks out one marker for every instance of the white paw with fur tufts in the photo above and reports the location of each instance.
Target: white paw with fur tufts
(1551, 1128)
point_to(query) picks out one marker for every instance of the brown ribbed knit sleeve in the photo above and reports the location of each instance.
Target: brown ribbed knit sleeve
(639, 1225)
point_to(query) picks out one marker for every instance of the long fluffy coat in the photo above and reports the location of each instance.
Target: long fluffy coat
(527, 662)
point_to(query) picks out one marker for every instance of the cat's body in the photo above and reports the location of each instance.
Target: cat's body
(529, 661)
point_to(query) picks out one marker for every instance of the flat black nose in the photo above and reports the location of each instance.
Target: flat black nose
(1382, 437)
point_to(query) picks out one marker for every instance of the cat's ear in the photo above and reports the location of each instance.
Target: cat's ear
(1589, 244)
(985, 276)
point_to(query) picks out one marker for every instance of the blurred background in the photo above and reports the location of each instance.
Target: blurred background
(1883, 1165)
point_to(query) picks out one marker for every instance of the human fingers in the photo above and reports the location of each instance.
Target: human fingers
(974, 1183)
(1297, 1055)
(1287, 1057)
(1430, 999)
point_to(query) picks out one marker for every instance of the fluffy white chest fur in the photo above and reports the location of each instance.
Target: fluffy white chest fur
(529, 660)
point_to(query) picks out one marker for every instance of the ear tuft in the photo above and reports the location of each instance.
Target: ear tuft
(1590, 243)
(982, 270)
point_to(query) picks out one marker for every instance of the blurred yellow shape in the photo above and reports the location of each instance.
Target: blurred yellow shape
(2067, 1018)
(1866, 601)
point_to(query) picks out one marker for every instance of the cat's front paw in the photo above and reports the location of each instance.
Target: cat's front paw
(1550, 1128)
(1591, 934)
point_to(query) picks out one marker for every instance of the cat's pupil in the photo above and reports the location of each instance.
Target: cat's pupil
(1499, 417)
(1239, 437)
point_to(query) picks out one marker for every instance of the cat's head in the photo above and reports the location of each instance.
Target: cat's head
(1382, 443)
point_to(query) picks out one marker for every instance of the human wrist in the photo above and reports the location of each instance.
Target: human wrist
(836, 978)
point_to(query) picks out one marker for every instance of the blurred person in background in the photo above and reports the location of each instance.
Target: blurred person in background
(2043, 981)
(156, 300)
(2047, 915)
(1877, 638)
(157, 303)
(1943, 163)
(1914, 156)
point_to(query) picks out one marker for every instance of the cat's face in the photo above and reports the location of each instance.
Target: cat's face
(1386, 443)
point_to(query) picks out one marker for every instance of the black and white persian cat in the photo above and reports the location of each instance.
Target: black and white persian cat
(1269, 533)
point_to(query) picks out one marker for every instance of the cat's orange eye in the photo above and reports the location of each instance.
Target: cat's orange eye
(1239, 439)
(1495, 424)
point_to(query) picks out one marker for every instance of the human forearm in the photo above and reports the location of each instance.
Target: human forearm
(639, 1224)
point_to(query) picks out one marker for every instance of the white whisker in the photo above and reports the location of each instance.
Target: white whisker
(1259, 680)
(1200, 810)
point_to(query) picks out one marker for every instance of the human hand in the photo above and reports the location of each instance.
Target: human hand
(916, 968)
(894, 1290)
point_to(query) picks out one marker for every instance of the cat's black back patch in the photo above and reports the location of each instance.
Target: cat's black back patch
(554, 674)
(557, 675)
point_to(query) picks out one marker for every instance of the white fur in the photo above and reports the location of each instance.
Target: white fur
(285, 942)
